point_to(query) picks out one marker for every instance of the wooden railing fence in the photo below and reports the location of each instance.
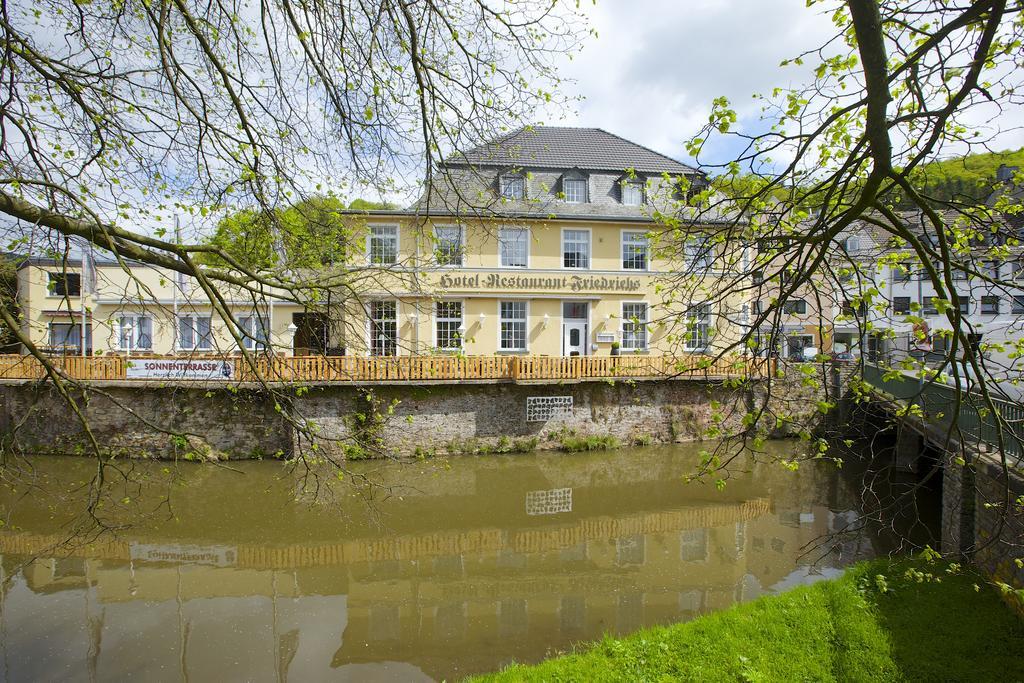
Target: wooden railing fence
(416, 368)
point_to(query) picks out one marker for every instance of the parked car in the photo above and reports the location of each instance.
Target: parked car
(999, 384)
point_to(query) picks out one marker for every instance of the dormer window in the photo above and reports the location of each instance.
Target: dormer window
(574, 187)
(684, 189)
(632, 193)
(513, 186)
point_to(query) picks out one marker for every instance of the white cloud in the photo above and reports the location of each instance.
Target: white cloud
(656, 65)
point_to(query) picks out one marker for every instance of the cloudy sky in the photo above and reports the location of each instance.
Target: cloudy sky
(656, 65)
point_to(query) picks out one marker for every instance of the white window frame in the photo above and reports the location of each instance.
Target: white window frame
(73, 325)
(503, 184)
(194, 317)
(369, 243)
(588, 304)
(910, 302)
(526, 325)
(370, 326)
(647, 249)
(584, 183)
(135, 318)
(640, 185)
(692, 250)
(687, 341)
(529, 238)
(461, 328)
(462, 245)
(590, 248)
(964, 300)
(251, 341)
(628, 320)
(797, 305)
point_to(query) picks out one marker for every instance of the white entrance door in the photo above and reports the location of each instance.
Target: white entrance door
(574, 338)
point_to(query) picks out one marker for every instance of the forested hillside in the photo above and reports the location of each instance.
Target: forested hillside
(968, 180)
(964, 179)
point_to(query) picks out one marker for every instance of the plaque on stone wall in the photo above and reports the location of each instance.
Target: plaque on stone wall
(544, 408)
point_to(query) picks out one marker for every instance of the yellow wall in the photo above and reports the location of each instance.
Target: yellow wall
(145, 290)
(415, 282)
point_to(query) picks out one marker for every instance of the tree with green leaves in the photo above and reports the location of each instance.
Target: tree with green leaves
(316, 232)
(9, 302)
(120, 118)
(142, 111)
(858, 148)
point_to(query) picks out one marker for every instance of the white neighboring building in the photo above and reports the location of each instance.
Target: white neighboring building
(993, 312)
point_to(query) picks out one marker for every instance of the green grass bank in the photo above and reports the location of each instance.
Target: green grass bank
(909, 620)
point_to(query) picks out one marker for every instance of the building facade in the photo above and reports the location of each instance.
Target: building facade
(133, 308)
(890, 308)
(550, 242)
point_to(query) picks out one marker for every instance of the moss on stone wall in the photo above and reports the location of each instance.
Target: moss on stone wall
(358, 422)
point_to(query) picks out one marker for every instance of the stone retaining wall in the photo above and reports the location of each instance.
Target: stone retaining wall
(138, 421)
(983, 518)
(440, 418)
(462, 418)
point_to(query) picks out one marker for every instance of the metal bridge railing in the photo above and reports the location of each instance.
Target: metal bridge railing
(977, 424)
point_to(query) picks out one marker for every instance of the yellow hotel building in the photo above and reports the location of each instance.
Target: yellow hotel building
(541, 243)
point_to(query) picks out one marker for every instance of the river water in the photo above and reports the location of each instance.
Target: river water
(460, 567)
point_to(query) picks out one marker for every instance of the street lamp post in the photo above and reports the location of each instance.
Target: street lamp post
(292, 329)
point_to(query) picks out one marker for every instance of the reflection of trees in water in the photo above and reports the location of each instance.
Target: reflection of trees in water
(898, 509)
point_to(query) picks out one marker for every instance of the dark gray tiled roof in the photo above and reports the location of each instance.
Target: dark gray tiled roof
(1012, 193)
(591, 149)
(466, 192)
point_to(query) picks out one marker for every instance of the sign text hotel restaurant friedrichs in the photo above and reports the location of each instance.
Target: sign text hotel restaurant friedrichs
(566, 283)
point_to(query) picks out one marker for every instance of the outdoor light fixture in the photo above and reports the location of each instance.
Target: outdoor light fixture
(483, 315)
(414, 316)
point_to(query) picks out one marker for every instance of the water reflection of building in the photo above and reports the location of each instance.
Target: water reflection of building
(447, 602)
